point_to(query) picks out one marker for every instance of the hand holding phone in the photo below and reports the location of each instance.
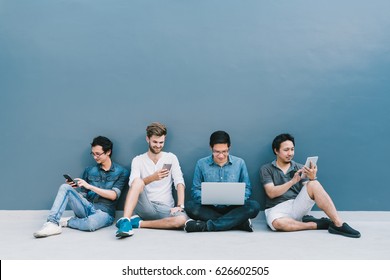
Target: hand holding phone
(167, 166)
(70, 180)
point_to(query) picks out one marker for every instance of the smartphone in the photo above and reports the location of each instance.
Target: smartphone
(167, 166)
(69, 179)
(313, 160)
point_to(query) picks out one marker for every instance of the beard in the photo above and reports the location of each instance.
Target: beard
(154, 150)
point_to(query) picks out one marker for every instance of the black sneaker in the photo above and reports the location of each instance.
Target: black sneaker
(195, 226)
(344, 230)
(246, 226)
(322, 223)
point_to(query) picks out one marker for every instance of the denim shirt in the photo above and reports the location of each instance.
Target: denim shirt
(113, 179)
(207, 170)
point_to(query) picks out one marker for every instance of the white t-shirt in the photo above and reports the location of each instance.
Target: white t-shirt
(158, 191)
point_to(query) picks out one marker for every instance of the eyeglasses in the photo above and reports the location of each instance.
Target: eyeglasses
(217, 153)
(97, 155)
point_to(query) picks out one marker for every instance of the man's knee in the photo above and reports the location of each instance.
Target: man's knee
(66, 187)
(313, 187)
(192, 208)
(253, 207)
(137, 185)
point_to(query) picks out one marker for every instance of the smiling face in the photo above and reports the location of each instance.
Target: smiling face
(156, 143)
(286, 152)
(220, 153)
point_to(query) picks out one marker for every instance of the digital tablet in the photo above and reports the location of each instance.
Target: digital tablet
(313, 159)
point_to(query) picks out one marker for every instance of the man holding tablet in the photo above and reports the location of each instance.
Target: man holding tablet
(220, 167)
(292, 189)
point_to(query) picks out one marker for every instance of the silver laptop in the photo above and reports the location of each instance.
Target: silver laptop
(221, 193)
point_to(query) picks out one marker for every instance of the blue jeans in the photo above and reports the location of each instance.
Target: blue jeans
(219, 218)
(86, 218)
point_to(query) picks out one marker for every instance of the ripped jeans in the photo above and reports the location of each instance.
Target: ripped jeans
(87, 218)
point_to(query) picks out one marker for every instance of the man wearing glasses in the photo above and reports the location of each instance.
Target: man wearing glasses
(290, 197)
(220, 167)
(92, 198)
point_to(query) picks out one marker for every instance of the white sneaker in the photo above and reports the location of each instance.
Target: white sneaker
(48, 229)
(64, 221)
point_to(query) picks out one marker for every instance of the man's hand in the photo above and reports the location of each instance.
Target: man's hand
(71, 183)
(297, 177)
(175, 210)
(156, 176)
(83, 183)
(311, 172)
(161, 174)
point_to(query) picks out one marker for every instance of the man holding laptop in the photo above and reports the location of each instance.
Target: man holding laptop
(292, 189)
(150, 195)
(231, 208)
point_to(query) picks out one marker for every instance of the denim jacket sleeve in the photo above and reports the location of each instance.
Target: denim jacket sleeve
(196, 183)
(244, 177)
(121, 182)
(90, 195)
(115, 179)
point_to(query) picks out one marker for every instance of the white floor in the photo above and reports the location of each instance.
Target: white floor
(18, 243)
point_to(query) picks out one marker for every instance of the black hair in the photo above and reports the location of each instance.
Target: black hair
(219, 137)
(104, 142)
(280, 139)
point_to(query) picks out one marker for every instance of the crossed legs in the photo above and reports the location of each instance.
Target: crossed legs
(153, 216)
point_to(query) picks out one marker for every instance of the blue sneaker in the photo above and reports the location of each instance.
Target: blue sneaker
(135, 221)
(124, 227)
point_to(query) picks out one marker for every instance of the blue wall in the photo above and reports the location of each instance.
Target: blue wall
(71, 70)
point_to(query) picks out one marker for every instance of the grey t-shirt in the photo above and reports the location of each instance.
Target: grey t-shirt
(270, 173)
